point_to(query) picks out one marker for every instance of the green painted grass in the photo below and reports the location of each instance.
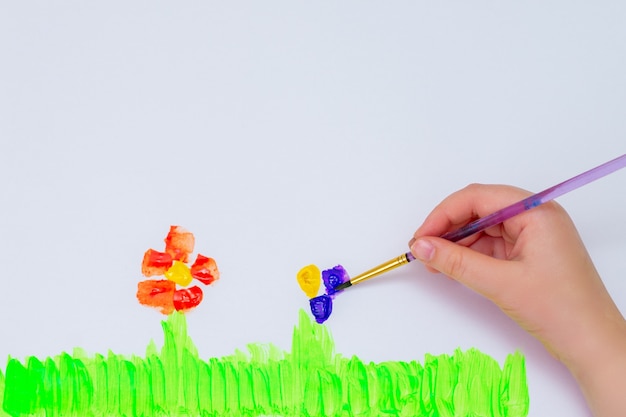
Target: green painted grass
(309, 381)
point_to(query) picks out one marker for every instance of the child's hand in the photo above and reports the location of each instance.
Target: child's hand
(537, 270)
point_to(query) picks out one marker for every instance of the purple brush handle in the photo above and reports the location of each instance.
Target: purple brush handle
(536, 199)
(532, 201)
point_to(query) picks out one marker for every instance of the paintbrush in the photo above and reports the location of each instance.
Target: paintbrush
(499, 216)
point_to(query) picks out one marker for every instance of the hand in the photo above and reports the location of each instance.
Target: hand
(537, 270)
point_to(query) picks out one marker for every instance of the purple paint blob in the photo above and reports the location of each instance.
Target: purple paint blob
(321, 307)
(334, 277)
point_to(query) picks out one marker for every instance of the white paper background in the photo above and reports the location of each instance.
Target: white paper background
(284, 133)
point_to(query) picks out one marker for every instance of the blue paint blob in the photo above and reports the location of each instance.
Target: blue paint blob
(532, 202)
(334, 277)
(321, 307)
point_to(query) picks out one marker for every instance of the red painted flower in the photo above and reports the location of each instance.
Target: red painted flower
(164, 294)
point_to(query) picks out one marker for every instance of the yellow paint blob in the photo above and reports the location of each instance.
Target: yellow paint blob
(309, 279)
(179, 273)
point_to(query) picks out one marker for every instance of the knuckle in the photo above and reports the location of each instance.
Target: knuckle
(472, 187)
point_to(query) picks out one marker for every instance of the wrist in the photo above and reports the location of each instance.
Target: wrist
(596, 358)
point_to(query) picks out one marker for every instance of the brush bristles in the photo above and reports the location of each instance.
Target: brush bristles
(343, 286)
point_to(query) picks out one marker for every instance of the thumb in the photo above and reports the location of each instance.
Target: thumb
(476, 270)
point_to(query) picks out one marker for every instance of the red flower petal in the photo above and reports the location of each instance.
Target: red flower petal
(155, 263)
(187, 298)
(205, 270)
(179, 243)
(158, 293)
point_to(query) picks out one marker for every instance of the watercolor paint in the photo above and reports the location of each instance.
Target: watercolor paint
(172, 264)
(179, 273)
(155, 263)
(262, 380)
(204, 269)
(309, 279)
(157, 293)
(187, 298)
(179, 243)
(333, 277)
(321, 307)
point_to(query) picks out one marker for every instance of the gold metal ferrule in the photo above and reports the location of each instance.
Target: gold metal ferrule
(380, 269)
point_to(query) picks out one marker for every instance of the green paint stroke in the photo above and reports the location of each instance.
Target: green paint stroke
(263, 380)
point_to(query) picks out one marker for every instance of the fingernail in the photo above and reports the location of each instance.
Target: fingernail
(423, 250)
(411, 242)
